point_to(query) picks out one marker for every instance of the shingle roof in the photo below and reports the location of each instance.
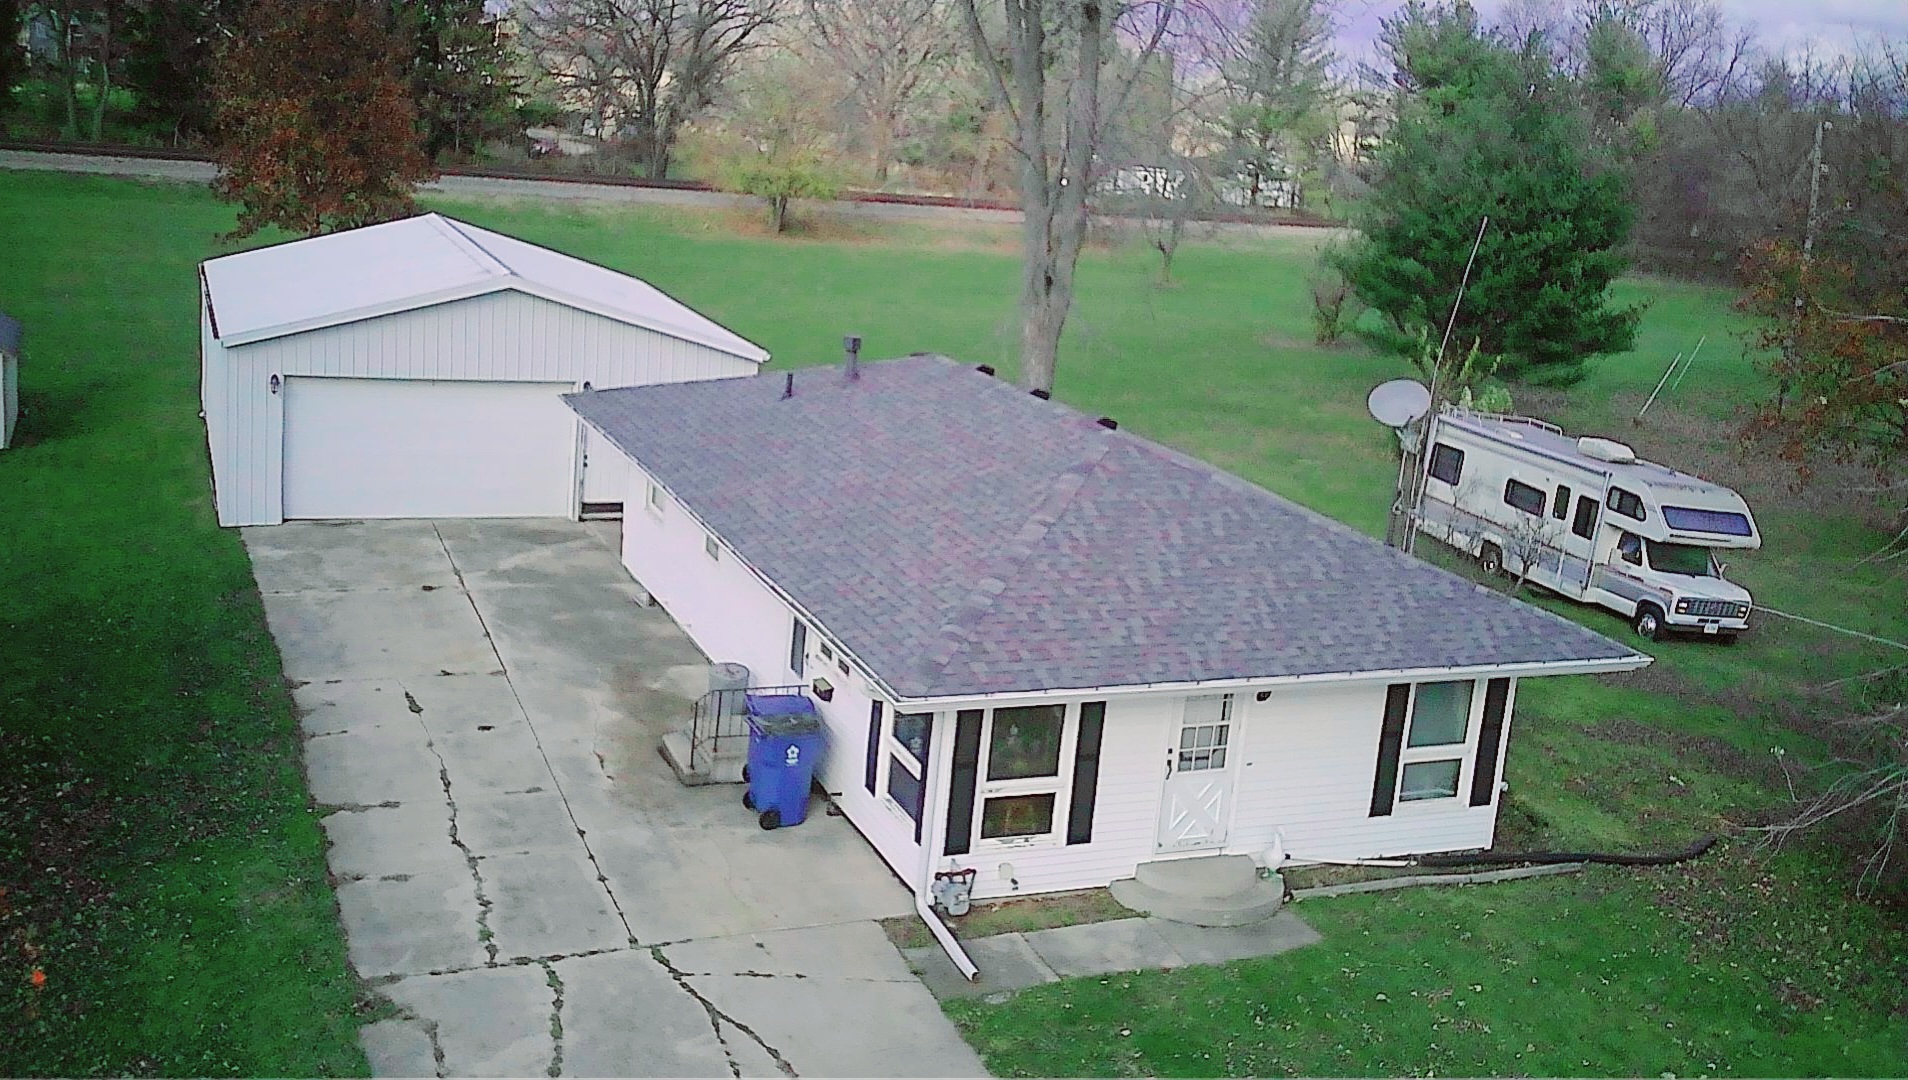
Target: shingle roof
(362, 273)
(962, 538)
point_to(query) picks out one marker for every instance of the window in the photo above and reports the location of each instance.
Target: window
(827, 653)
(798, 649)
(1447, 463)
(1627, 503)
(711, 548)
(1560, 506)
(1205, 734)
(1685, 560)
(1435, 740)
(908, 743)
(1725, 522)
(654, 500)
(1630, 549)
(1585, 523)
(1020, 790)
(1524, 497)
(1441, 714)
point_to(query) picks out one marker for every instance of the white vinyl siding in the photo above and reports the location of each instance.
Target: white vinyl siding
(497, 337)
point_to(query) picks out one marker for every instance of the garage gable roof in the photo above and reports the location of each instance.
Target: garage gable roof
(359, 274)
(961, 538)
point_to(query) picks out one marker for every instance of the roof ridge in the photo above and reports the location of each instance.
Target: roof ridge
(958, 631)
(455, 231)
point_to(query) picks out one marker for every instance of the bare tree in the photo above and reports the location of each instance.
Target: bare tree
(1072, 40)
(643, 67)
(887, 49)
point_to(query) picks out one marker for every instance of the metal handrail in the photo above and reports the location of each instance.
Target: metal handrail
(722, 715)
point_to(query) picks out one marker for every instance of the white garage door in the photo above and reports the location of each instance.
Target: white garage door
(391, 448)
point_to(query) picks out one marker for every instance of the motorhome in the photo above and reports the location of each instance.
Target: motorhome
(1587, 518)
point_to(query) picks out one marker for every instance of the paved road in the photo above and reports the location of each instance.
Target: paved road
(519, 871)
(570, 191)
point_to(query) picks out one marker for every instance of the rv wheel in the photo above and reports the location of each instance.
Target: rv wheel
(1649, 622)
(1491, 560)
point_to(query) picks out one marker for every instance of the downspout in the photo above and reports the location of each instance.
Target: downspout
(932, 836)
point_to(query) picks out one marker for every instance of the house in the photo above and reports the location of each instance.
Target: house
(10, 337)
(1049, 651)
(414, 369)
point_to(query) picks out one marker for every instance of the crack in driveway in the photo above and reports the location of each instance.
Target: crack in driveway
(717, 1018)
(485, 935)
(556, 1017)
(510, 681)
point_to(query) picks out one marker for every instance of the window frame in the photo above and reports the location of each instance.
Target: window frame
(711, 547)
(896, 753)
(1515, 485)
(654, 500)
(1463, 752)
(1442, 452)
(1616, 495)
(1059, 785)
(798, 649)
(1560, 502)
(1582, 526)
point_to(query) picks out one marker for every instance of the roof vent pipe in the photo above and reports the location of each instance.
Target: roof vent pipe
(852, 346)
(1044, 395)
(985, 369)
(788, 388)
(1108, 423)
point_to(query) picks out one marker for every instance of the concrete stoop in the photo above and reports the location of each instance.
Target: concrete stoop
(1214, 890)
(725, 769)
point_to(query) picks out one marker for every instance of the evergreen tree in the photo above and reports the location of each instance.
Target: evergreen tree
(1486, 129)
(317, 132)
(458, 72)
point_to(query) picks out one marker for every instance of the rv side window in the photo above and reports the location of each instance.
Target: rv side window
(1447, 463)
(1586, 522)
(1627, 503)
(1560, 506)
(1524, 497)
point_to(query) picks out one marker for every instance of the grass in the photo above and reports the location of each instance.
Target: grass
(135, 667)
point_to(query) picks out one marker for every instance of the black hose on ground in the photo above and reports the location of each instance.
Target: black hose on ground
(1545, 858)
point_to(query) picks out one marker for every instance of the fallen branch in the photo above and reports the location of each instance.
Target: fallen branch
(1551, 858)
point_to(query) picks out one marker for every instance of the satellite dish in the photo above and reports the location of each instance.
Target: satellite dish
(1398, 402)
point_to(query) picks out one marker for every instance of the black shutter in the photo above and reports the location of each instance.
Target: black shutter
(874, 744)
(1384, 789)
(798, 648)
(960, 796)
(1490, 741)
(1086, 772)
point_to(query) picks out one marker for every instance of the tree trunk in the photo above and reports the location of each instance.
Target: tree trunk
(105, 82)
(69, 73)
(778, 212)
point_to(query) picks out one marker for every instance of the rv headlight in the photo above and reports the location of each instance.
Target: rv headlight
(1742, 611)
(1682, 607)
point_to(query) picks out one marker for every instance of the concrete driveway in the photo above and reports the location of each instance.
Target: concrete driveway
(519, 871)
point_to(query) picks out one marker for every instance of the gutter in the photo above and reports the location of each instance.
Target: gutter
(946, 938)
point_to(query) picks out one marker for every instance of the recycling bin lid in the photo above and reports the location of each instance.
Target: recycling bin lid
(783, 714)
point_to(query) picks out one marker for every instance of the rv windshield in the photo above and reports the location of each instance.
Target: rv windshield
(1688, 560)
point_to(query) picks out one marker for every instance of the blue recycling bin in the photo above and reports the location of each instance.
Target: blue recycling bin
(785, 744)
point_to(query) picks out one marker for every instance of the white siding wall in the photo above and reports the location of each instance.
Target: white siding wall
(733, 616)
(1309, 759)
(507, 336)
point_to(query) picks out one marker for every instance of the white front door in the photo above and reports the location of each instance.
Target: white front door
(1198, 796)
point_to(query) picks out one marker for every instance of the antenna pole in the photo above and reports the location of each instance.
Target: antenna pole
(1686, 363)
(1667, 372)
(1413, 498)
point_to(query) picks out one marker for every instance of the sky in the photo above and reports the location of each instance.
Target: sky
(1784, 26)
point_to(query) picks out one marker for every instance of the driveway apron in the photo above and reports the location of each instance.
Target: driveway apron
(517, 869)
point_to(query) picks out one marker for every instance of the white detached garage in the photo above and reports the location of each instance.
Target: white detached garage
(413, 369)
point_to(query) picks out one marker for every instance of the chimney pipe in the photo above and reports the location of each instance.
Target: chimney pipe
(788, 388)
(1043, 395)
(985, 369)
(1109, 423)
(852, 346)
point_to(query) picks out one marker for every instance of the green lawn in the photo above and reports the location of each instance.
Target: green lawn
(136, 668)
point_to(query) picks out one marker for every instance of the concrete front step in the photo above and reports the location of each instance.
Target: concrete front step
(725, 769)
(1199, 876)
(1213, 891)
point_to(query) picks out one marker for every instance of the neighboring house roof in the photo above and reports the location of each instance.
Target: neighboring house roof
(9, 334)
(962, 538)
(360, 274)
